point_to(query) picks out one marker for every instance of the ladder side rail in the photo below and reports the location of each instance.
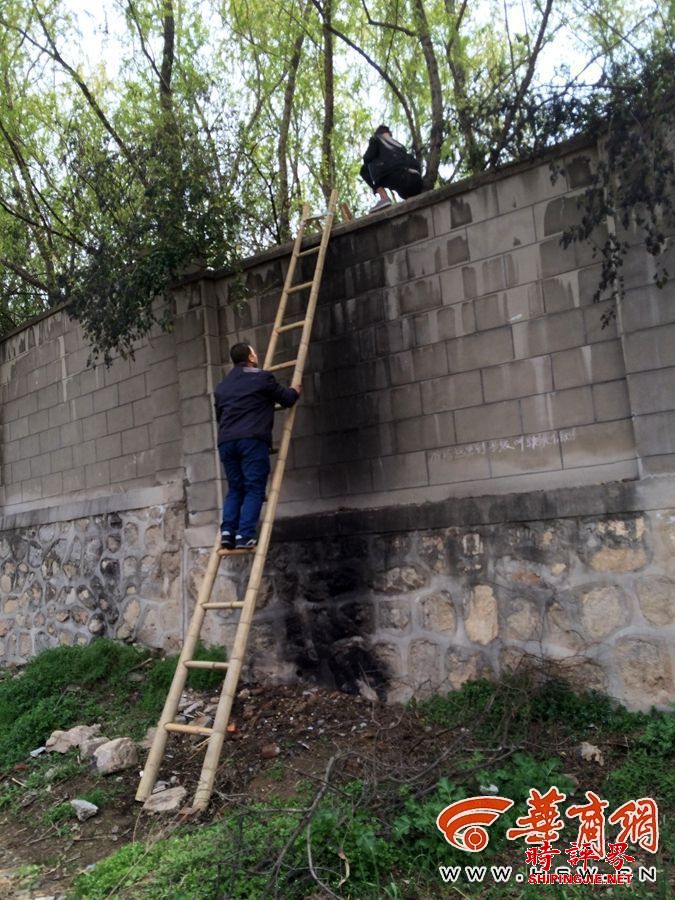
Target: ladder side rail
(156, 753)
(283, 301)
(236, 659)
(303, 348)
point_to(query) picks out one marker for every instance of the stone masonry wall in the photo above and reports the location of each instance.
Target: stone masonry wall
(458, 371)
(406, 614)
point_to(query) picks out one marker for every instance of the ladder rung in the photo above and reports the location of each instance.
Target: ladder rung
(310, 251)
(284, 365)
(188, 729)
(300, 287)
(317, 217)
(205, 664)
(236, 551)
(234, 604)
(291, 326)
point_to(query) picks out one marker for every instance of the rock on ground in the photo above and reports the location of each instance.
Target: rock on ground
(115, 755)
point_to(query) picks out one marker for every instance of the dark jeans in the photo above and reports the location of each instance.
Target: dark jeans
(406, 182)
(247, 465)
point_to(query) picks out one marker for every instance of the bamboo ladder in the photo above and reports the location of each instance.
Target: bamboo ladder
(232, 668)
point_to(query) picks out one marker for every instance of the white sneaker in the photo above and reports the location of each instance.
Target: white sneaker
(381, 204)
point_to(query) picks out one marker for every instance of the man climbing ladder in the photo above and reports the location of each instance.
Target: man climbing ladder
(232, 668)
(244, 403)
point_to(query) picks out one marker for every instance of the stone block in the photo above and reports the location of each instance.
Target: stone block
(165, 428)
(442, 324)
(559, 214)
(108, 447)
(655, 433)
(646, 307)
(425, 432)
(19, 471)
(122, 469)
(450, 392)
(645, 668)
(431, 257)
(519, 190)
(197, 438)
(521, 620)
(588, 365)
(503, 233)
(48, 397)
(419, 364)
(481, 623)
(161, 374)
(135, 439)
(561, 293)
(192, 383)
(405, 401)
(477, 351)
(404, 470)
(164, 399)
(557, 409)
(483, 278)
(40, 465)
(83, 406)
(493, 420)
(97, 474)
(652, 391)
(203, 467)
(416, 296)
(548, 334)
(603, 609)
(463, 665)
(437, 613)
(38, 422)
(600, 325)
(59, 415)
(300, 484)
(510, 306)
(52, 485)
(518, 379)
(95, 426)
(17, 429)
(524, 454)
(121, 418)
(604, 442)
(29, 446)
(611, 401)
(657, 599)
(521, 266)
(169, 456)
(343, 479)
(132, 389)
(394, 615)
(589, 286)
(202, 496)
(424, 667)
(50, 440)
(452, 286)
(144, 410)
(106, 398)
(395, 337)
(467, 462)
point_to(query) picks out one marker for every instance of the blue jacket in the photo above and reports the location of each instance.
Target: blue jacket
(244, 402)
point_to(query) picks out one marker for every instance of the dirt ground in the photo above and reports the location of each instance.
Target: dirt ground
(284, 736)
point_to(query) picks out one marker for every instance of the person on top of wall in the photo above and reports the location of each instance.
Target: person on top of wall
(244, 402)
(387, 164)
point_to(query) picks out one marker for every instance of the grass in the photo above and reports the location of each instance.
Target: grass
(372, 839)
(69, 686)
(365, 839)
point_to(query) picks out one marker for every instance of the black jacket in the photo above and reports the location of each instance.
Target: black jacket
(385, 155)
(244, 402)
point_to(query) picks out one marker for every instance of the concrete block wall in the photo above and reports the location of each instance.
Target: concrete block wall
(457, 361)
(457, 351)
